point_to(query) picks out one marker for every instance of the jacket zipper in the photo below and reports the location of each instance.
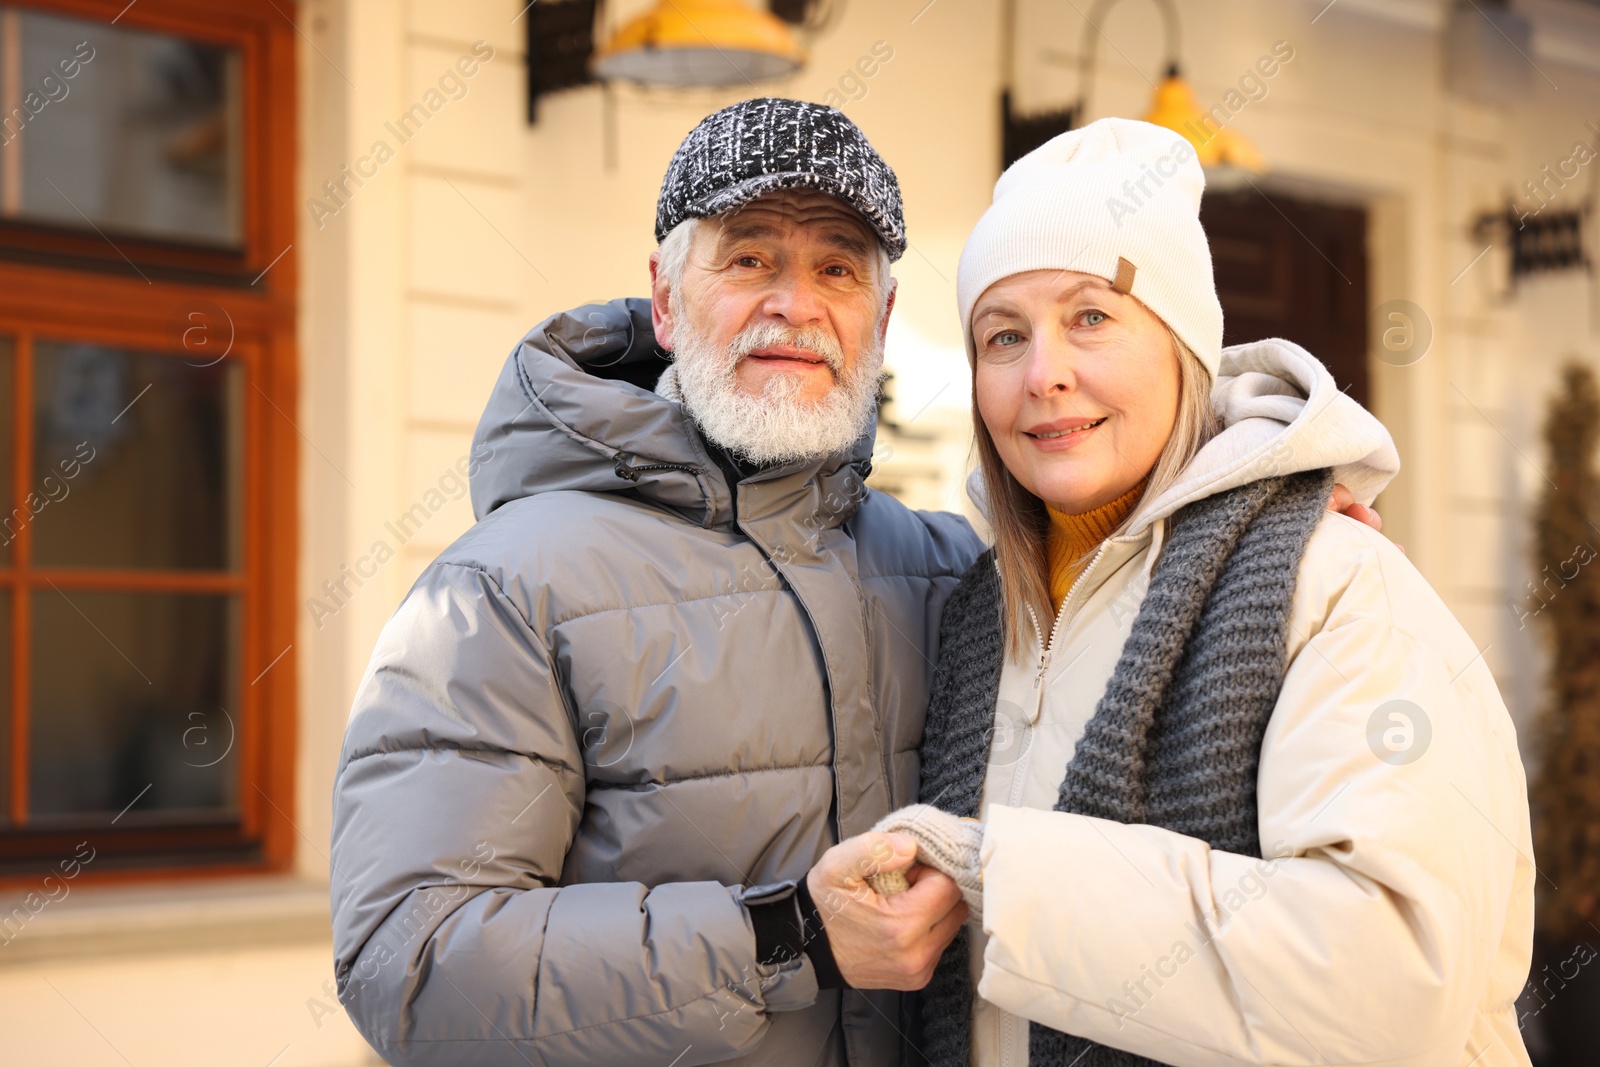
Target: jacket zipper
(1062, 615)
(1019, 772)
(1008, 1022)
(1076, 586)
(1044, 647)
(1019, 776)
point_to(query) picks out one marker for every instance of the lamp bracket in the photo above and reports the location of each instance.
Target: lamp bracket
(1021, 134)
(1090, 42)
(560, 41)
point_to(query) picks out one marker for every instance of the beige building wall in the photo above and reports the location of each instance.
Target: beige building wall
(500, 223)
(478, 225)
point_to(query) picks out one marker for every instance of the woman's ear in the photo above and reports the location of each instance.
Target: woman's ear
(660, 304)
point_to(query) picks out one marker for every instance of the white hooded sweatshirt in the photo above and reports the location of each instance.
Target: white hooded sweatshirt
(1390, 921)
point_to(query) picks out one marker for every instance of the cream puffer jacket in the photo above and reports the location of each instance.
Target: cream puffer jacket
(1390, 921)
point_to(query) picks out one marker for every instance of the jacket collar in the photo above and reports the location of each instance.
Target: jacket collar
(571, 411)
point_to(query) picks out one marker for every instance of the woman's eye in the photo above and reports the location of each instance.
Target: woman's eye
(1005, 338)
(1092, 317)
(748, 261)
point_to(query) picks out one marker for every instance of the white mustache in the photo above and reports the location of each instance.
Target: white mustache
(766, 334)
(775, 426)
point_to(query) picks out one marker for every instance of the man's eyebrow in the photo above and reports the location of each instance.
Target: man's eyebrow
(847, 242)
(742, 231)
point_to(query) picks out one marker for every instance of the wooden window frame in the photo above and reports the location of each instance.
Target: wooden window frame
(56, 284)
(252, 26)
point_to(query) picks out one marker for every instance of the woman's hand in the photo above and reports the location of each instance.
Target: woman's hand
(947, 843)
(884, 942)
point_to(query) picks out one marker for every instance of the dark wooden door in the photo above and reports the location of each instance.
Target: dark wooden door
(1294, 269)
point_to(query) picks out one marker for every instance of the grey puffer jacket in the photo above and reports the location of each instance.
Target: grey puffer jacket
(614, 713)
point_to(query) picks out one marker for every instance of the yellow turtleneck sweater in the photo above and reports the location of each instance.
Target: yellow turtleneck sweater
(1073, 538)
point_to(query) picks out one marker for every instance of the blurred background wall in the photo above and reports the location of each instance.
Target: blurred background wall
(410, 287)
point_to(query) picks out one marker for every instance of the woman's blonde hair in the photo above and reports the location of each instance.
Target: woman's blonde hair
(1020, 521)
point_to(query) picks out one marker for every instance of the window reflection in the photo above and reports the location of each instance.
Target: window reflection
(138, 459)
(133, 690)
(118, 129)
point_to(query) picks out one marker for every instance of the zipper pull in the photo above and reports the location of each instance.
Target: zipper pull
(1044, 647)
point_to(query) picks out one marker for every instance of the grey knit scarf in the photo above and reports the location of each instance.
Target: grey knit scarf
(1175, 740)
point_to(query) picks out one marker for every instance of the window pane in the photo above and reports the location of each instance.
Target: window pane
(138, 459)
(132, 131)
(133, 690)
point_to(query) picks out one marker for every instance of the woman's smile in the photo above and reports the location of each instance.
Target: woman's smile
(1062, 434)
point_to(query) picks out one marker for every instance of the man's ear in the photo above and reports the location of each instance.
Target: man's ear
(660, 304)
(888, 306)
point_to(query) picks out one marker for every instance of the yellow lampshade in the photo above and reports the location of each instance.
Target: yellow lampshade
(1175, 108)
(699, 42)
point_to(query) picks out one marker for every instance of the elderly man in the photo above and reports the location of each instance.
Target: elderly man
(590, 794)
(683, 652)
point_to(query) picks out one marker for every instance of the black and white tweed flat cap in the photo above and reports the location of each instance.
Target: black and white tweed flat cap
(759, 146)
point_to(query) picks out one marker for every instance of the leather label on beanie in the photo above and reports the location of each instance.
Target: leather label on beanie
(1123, 282)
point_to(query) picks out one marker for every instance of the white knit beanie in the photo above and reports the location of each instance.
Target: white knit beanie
(1117, 198)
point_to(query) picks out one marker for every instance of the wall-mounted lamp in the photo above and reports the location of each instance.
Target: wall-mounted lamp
(677, 43)
(1223, 151)
(1219, 148)
(699, 43)
(1539, 242)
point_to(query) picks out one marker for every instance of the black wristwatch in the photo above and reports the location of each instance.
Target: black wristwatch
(785, 928)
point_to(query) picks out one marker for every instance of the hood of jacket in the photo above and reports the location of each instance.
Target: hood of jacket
(575, 409)
(1280, 413)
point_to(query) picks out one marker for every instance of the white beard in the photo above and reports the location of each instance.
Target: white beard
(775, 426)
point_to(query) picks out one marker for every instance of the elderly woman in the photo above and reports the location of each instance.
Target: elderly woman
(1252, 796)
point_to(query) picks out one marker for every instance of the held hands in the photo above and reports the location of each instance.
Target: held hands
(947, 843)
(888, 917)
(883, 942)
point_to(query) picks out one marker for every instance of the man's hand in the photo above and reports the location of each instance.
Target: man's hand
(884, 942)
(1344, 502)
